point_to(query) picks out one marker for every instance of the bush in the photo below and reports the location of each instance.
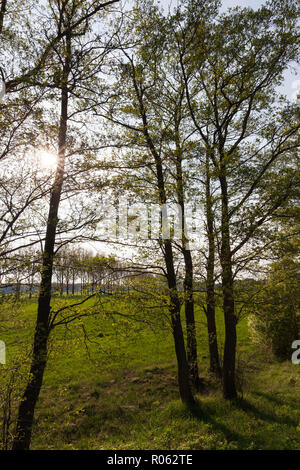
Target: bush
(274, 322)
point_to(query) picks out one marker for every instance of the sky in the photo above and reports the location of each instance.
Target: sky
(242, 3)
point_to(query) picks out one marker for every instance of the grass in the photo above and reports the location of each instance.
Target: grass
(112, 385)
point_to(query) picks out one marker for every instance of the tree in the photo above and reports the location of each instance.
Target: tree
(136, 108)
(273, 320)
(81, 19)
(230, 94)
(67, 79)
(215, 366)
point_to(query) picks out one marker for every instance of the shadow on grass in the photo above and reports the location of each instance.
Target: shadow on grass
(273, 399)
(258, 413)
(207, 416)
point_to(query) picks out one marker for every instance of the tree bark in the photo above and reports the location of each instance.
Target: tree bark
(73, 282)
(2, 14)
(185, 390)
(192, 355)
(214, 360)
(229, 387)
(39, 358)
(182, 363)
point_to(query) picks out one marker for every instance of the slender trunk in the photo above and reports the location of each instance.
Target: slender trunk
(185, 390)
(229, 387)
(73, 283)
(39, 358)
(62, 284)
(30, 290)
(18, 290)
(2, 14)
(214, 360)
(182, 363)
(192, 355)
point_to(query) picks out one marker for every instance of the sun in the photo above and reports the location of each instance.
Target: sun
(48, 160)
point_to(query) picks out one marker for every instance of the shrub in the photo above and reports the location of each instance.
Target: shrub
(274, 322)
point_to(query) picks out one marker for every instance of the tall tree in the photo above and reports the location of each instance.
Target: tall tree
(231, 96)
(188, 283)
(215, 366)
(132, 108)
(74, 63)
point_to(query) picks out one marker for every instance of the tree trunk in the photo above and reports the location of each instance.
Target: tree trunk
(62, 284)
(73, 283)
(2, 14)
(182, 363)
(185, 390)
(192, 355)
(229, 387)
(39, 359)
(18, 290)
(214, 361)
(29, 399)
(30, 290)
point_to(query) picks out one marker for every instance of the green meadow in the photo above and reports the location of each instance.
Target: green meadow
(111, 383)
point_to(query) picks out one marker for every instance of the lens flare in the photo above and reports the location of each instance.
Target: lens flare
(48, 160)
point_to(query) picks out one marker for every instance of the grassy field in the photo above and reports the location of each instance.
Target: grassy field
(111, 384)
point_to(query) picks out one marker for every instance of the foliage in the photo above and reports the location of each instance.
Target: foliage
(275, 322)
(119, 391)
(14, 373)
(183, 107)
